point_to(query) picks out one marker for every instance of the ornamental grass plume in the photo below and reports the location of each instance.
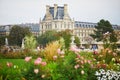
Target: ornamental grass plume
(51, 50)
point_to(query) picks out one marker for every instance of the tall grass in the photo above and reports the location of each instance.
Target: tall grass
(51, 50)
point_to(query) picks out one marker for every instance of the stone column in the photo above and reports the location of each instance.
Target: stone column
(47, 9)
(55, 10)
(65, 9)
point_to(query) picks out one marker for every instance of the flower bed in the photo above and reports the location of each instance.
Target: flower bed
(57, 63)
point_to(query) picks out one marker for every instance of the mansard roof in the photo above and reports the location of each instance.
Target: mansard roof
(59, 14)
(91, 25)
(85, 24)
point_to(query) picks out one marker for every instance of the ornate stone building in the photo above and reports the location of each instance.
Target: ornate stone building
(56, 18)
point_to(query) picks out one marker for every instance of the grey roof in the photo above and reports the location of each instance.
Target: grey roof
(5, 28)
(85, 24)
(59, 14)
(34, 27)
(92, 25)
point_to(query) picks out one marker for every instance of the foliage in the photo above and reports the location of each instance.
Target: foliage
(51, 50)
(107, 59)
(102, 28)
(104, 32)
(77, 41)
(30, 42)
(58, 63)
(2, 41)
(13, 72)
(47, 37)
(17, 33)
(67, 37)
(20, 54)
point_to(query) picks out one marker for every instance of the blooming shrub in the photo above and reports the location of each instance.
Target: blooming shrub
(57, 63)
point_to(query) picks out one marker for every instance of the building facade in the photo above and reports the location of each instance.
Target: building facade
(56, 18)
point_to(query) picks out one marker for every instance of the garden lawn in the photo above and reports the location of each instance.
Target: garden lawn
(18, 66)
(19, 62)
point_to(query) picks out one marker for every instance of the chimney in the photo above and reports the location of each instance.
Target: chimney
(65, 9)
(55, 10)
(47, 9)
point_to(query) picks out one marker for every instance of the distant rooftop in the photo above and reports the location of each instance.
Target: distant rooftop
(57, 12)
(92, 25)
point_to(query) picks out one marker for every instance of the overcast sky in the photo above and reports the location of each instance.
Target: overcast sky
(30, 11)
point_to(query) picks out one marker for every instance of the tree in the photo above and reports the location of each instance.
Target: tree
(104, 32)
(17, 33)
(67, 37)
(47, 37)
(102, 28)
(77, 41)
(2, 40)
(30, 42)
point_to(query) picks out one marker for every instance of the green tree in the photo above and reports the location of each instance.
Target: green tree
(77, 41)
(30, 42)
(17, 33)
(67, 37)
(102, 28)
(47, 37)
(104, 32)
(2, 40)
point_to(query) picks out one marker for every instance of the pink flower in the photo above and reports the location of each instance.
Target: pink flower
(78, 56)
(43, 63)
(37, 61)
(89, 61)
(58, 51)
(95, 52)
(76, 66)
(114, 54)
(27, 59)
(74, 49)
(36, 71)
(9, 64)
(82, 62)
(82, 72)
(54, 57)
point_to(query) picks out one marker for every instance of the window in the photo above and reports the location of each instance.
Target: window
(42, 26)
(61, 25)
(55, 25)
(64, 25)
